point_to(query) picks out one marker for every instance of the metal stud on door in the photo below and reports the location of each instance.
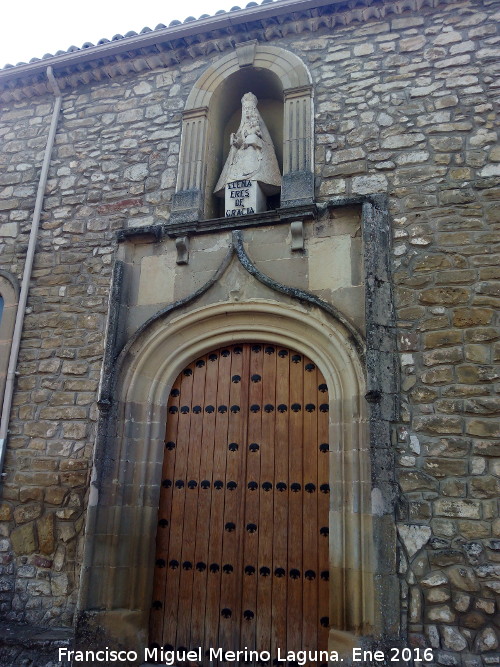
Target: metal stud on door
(242, 538)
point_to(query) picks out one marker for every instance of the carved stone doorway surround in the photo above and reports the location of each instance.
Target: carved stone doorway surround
(122, 520)
(118, 562)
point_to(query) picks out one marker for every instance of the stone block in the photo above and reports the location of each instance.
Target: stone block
(454, 488)
(45, 530)
(484, 486)
(439, 467)
(446, 296)
(449, 355)
(369, 184)
(348, 155)
(55, 494)
(453, 640)
(486, 448)
(469, 374)
(25, 513)
(486, 640)
(38, 587)
(59, 584)
(412, 43)
(414, 537)
(460, 509)
(413, 480)
(157, 280)
(436, 424)
(27, 493)
(483, 428)
(5, 511)
(442, 339)
(442, 613)
(73, 479)
(474, 529)
(24, 539)
(330, 263)
(75, 368)
(437, 376)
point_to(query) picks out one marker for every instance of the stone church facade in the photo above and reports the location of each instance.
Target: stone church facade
(374, 269)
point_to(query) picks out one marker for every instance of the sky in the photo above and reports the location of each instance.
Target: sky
(32, 28)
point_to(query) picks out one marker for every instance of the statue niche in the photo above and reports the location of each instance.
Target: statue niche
(251, 172)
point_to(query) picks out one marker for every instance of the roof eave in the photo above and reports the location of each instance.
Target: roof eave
(217, 22)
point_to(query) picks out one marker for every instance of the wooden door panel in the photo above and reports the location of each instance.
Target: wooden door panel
(242, 543)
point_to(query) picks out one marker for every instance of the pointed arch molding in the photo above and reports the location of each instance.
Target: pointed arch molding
(122, 514)
(297, 183)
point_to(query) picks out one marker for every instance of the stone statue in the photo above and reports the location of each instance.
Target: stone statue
(251, 155)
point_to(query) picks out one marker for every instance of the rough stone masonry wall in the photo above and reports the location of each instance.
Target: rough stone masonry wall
(413, 112)
(113, 166)
(404, 105)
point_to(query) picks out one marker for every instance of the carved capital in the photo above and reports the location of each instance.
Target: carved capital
(301, 91)
(191, 114)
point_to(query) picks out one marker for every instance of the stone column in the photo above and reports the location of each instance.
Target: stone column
(298, 179)
(187, 205)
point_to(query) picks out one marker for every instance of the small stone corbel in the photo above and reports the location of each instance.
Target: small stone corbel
(297, 230)
(182, 245)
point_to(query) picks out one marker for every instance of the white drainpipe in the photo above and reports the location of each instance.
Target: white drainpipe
(23, 296)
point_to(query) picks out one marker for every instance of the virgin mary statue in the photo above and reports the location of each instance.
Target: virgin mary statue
(251, 154)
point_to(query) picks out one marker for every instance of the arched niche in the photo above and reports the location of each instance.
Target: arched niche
(117, 575)
(282, 84)
(224, 117)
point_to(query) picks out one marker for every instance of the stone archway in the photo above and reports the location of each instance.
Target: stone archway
(196, 161)
(119, 556)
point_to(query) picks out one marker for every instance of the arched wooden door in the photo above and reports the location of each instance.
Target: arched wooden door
(242, 542)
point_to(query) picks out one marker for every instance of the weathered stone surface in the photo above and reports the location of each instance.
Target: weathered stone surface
(485, 486)
(441, 613)
(24, 539)
(467, 509)
(487, 640)
(453, 640)
(434, 579)
(5, 511)
(463, 578)
(25, 513)
(414, 537)
(45, 530)
(404, 106)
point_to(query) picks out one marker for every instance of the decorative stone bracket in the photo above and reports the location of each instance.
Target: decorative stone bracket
(297, 231)
(182, 245)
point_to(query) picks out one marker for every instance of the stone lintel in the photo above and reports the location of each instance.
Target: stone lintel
(154, 233)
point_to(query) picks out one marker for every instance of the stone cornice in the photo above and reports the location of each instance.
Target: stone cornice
(196, 38)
